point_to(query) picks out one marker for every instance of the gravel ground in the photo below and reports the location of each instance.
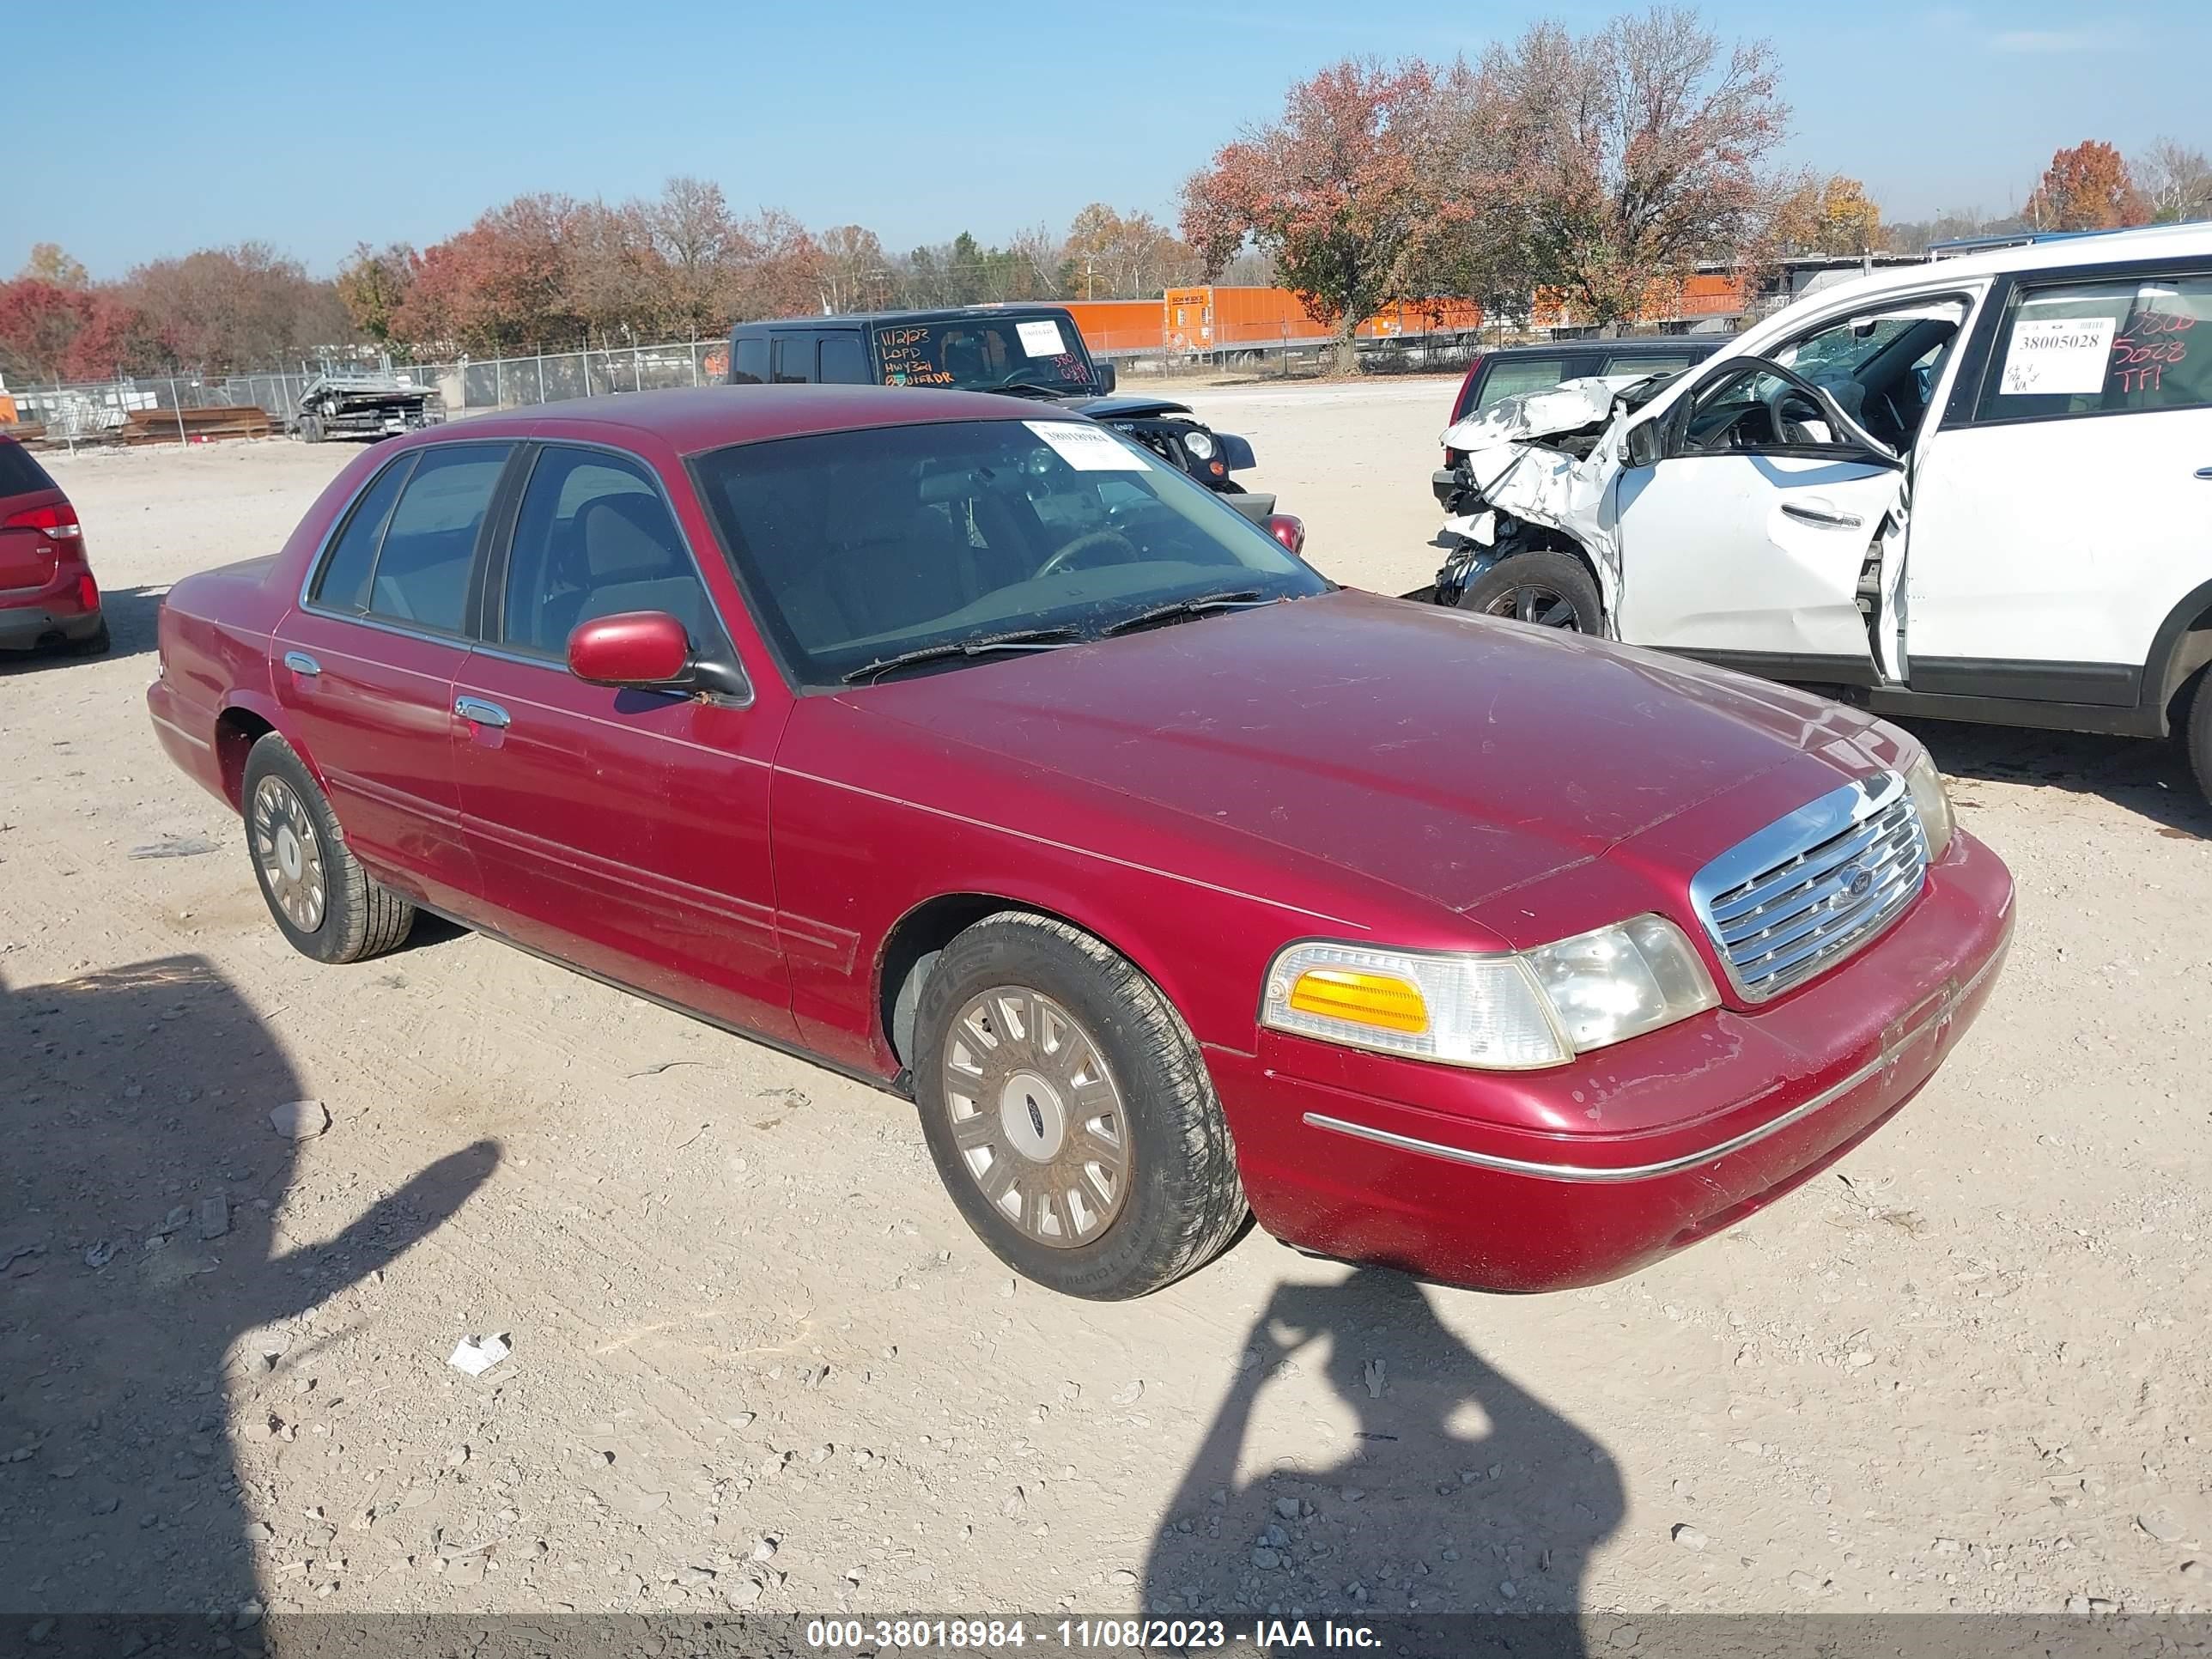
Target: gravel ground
(758, 1362)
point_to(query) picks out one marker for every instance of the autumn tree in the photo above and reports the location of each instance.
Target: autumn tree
(1832, 217)
(1635, 153)
(779, 268)
(226, 308)
(2085, 188)
(1107, 255)
(51, 264)
(2176, 182)
(501, 285)
(1342, 191)
(49, 331)
(372, 284)
(700, 247)
(856, 271)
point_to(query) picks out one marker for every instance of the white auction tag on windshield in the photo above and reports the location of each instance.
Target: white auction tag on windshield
(2057, 356)
(1088, 448)
(1041, 338)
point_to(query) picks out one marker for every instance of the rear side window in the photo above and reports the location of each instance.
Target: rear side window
(429, 546)
(19, 474)
(843, 362)
(749, 362)
(1649, 363)
(2111, 346)
(343, 585)
(1509, 376)
(795, 359)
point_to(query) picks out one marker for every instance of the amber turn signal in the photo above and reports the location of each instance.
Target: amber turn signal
(1364, 998)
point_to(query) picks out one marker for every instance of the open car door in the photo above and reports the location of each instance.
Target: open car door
(1748, 513)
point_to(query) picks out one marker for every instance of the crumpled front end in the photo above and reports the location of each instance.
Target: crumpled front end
(1531, 464)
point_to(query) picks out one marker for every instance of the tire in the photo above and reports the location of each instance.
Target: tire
(1543, 586)
(321, 899)
(95, 644)
(311, 430)
(1043, 1017)
(2198, 735)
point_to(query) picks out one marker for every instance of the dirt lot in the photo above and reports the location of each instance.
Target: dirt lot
(758, 1361)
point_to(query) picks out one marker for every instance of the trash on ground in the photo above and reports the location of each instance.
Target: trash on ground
(478, 1354)
(302, 1120)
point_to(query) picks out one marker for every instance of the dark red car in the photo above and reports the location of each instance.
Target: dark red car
(962, 747)
(47, 593)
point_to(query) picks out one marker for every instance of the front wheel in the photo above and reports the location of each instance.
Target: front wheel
(1068, 1112)
(1545, 586)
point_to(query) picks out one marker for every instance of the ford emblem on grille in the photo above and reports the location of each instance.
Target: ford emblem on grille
(1814, 886)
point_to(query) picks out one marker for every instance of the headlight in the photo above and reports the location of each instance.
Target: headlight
(1932, 801)
(1200, 444)
(1507, 1012)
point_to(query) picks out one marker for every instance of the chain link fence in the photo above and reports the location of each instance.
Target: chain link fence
(134, 409)
(141, 411)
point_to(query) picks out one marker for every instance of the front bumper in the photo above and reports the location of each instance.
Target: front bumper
(1511, 1182)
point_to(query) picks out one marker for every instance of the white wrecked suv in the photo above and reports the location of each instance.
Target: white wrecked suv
(1975, 489)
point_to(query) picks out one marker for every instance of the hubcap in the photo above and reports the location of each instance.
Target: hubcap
(1533, 602)
(1036, 1116)
(290, 852)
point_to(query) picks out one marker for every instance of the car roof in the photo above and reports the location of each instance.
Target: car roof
(2184, 241)
(691, 419)
(940, 314)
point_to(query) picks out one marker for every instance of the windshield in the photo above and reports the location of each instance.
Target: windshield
(855, 547)
(983, 354)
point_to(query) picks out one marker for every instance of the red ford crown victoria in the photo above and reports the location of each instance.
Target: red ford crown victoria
(963, 748)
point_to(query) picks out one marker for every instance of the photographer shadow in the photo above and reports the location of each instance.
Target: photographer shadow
(1462, 1494)
(144, 1297)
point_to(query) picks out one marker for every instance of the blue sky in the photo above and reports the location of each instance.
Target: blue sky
(143, 130)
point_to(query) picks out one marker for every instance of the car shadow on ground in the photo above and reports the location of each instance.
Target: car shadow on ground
(142, 1285)
(1460, 1483)
(2144, 776)
(133, 615)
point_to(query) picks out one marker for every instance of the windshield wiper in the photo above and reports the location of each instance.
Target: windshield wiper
(1027, 639)
(1194, 606)
(1028, 389)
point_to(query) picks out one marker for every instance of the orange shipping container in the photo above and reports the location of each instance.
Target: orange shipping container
(1118, 324)
(1224, 318)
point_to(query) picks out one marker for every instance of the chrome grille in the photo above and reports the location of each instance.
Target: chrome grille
(1812, 888)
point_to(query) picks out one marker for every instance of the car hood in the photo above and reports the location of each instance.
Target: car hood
(1125, 409)
(1546, 412)
(1451, 757)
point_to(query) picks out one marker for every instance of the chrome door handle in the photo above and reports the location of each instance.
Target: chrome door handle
(476, 709)
(2204, 471)
(1826, 520)
(301, 663)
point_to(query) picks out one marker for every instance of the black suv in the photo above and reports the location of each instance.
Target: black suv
(1021, 350)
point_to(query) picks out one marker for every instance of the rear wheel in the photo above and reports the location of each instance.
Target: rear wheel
(93, 644)
(1068, 1112)
(2198, 734)
(1544, 586)
(310, 428)
(322, 900)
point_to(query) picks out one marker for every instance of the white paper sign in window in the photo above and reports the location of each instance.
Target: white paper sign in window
(2057, 356)
(1041, 338)
(1088, 449)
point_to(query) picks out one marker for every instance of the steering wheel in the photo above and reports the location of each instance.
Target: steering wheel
(1090, 539)
(1789, 427)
